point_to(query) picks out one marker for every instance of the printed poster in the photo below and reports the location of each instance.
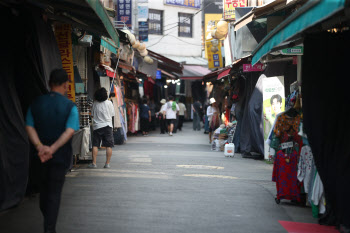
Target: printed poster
(124, 11)
(214, 57)
(64, 42)
(273, 104)
(185, 3)
(210, 22)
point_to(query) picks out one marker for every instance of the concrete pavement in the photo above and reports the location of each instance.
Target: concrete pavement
(165, 184)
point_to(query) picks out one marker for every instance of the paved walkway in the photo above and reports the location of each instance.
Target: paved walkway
(165, 184)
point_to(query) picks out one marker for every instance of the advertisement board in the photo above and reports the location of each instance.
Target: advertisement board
(214, 57)
(124, 11)
(210, 22)
(143, 31)
(185, 3)
(273, 104)
(63, 36)
(230, 6)
(142, 13)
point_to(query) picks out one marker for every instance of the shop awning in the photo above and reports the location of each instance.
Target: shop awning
(307, 16)
(194, 72)
(108, 44)
(168, 74)
(89, 15)
(215, 74)
(224, 73)
(165, 63)
(264, 10)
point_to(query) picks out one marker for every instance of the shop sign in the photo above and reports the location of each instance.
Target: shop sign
(64, 42)
(250, 68)
(124, 11)
(230, 6)
(214, 58)
(143, 31)
(142, 13)
(185, 3)
(297, 50)
(210, 22)
(159, 74)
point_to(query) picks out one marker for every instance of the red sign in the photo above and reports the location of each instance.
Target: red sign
(250, 68)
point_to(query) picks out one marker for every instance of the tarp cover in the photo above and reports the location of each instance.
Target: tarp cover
(25, 64)
(326, 117)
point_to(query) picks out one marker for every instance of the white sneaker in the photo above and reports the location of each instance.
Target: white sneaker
(107, 165)
(170, 134)
(92, 165)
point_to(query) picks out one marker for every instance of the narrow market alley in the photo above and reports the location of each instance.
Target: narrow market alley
(165, 184)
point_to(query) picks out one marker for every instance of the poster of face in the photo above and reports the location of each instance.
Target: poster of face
(273, 101)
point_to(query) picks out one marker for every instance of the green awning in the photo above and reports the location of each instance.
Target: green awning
(99, 9)
(311, 13)
(108, 44)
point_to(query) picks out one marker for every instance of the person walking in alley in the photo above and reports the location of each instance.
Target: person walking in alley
(161, 116)
(213, 117)
(152, 107)
(182, 113)
(145, 115)
(197, 109)
(102, 113)
(171, 109)
(50, 123)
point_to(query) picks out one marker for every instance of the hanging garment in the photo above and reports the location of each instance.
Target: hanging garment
(306, 161)
(285, 123)
(285, 169)
(117, 123)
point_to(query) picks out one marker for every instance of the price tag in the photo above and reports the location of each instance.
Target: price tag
(286, 145)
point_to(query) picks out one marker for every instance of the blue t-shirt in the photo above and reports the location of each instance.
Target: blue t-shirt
(72, 121)
(144, 111)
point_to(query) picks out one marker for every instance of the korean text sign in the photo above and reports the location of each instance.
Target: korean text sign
(230, 6)
(124, 11)
(185, 3)
(214, 58)
(64, 41)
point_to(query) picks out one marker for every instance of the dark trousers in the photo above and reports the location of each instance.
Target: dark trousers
(145, 125)
(153, 123)
(163, 125)
(52, 181)
(176, 123)
(196, 121)
(181, 121)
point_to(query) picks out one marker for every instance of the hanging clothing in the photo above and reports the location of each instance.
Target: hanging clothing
(306, 162)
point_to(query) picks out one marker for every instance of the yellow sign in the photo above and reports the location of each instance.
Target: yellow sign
(64, 41)
(211, 21)
(214, 56)
(230, 6)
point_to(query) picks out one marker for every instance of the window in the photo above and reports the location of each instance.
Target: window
(185, 25)
(155, 22)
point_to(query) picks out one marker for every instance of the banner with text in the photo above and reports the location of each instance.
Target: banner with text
(124, 11)
(230, 6)
(185, 3)
(214, 56)
(64, 41)
(143, 31)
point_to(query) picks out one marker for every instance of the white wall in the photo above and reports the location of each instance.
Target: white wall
(171, 44)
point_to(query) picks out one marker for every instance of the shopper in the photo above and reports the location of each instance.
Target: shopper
(50, 123)
(145, 116)
(152, 107)
(161, 116)
(102, 113)
(171, 109)
(182, 114)
(197, 109)
(213, 117)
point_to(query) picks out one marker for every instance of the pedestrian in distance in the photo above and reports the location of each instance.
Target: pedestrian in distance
(170, 110)
(50, 123)
(213, 117)
(161, 116)
(197, 109)
(102, 113)
(145, 115)
(152, 107)
(182, 114)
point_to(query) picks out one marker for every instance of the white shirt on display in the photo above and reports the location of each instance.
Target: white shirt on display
(102, 113)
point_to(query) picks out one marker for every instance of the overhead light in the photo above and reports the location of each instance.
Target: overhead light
(140, 79)
(168, 81)
(165, 86)
(178, 84)
(173, 81)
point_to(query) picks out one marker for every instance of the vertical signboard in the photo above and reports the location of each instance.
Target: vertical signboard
(142, 13)
(143, 31)
(210, 22)
(273, 104)
(230, 6)
(124, 11)
(214, 56)
(64, 41)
